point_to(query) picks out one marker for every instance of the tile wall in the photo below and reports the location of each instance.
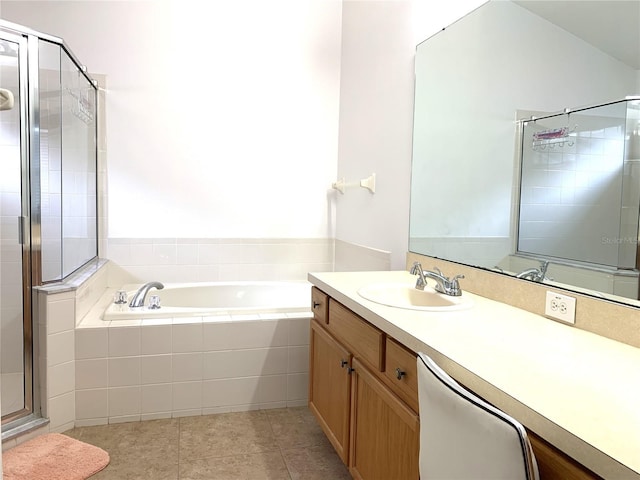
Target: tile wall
(569, 192)
(209, 260)
(168, 369)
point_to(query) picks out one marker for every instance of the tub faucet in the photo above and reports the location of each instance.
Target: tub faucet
(536, 274)
(141, 294)
(446, 285)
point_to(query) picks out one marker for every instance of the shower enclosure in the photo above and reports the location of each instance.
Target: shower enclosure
(580, 189)
(48, 221)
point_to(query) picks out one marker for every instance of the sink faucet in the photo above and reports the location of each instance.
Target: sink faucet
(535, 274)
(448, 286)
(138, 298)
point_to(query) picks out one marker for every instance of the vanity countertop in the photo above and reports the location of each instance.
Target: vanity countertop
(577, 390)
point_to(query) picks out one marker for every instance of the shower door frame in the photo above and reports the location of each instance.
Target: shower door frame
(25, 222)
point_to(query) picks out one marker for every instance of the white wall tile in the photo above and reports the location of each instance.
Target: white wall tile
(92, 373)
(187, 338)
(156, 398)
(245, 363)
(125, 418)
(61, 315)
(60, 348)
(186, 367)
(272, 388)
(187, 396)
(124, 401)
(297, 386)
(245, 334)
(124, 371)
(298, 359)
(92, 403)
(62, 379)
(155, 339)
(299, 331)
(232, 391)
(62, 410)
(155, 369)
(91, 343)
(124, 341)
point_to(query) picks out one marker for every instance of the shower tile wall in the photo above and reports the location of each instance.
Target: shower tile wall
(566, 189)
(200, 260)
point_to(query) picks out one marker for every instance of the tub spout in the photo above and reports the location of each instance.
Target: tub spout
(139, 297)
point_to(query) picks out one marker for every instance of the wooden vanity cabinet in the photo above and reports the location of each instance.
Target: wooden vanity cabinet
(330, 387)
(363, 390)
(385, 433)
(375, 433)
(319, 305)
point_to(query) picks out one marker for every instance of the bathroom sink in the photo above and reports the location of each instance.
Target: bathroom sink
(402, 295)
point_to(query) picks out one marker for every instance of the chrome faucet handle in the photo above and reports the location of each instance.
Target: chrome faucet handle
(454, 286)
(416, 269)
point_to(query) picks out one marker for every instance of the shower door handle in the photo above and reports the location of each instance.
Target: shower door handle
(21, 223)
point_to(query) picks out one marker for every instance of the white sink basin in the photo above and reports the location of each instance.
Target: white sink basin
(402, 295)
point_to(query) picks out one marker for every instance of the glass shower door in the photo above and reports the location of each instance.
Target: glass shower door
(15, 353)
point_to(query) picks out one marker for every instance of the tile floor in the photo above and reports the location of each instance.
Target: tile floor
(282, 444)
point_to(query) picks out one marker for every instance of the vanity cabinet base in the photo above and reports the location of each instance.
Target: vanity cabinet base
(363, 391)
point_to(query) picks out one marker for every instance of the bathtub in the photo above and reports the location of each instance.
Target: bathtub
(210, 348)
(216, 298)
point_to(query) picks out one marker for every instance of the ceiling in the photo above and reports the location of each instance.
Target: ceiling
(612, 26)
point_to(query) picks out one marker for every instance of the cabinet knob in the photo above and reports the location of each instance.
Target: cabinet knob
(400, 374)
(316, 304)
(344, 363)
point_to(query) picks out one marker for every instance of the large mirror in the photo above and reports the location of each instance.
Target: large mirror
(526, 131)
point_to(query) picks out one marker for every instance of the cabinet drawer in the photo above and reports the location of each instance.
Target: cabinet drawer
(402, 372)
(361, 338)
(319, 304)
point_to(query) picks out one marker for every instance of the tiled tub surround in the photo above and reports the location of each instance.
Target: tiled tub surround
(97, 372)
(161, 368)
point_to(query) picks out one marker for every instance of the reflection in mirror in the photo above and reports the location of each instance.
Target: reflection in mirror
(481, 194)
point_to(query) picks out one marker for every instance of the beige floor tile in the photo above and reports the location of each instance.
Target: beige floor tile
(296, 427)
(257, 466)
(225, 434)
(279, 444)
(315, 463)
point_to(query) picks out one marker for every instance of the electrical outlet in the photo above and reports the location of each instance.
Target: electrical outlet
(560, 307)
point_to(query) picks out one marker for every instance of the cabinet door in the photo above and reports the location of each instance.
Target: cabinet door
(385, 433)
(330, 387)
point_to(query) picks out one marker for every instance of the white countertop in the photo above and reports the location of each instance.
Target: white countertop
(578, 390)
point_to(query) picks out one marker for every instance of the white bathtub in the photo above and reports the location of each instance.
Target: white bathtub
(217, 298)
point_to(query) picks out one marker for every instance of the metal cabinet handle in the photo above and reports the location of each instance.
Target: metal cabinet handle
(344, 363)
(400, 374)
(316, 304)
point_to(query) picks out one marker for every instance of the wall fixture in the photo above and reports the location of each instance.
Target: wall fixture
(369, 183)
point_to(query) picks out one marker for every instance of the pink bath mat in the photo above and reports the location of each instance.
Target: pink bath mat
(53, 457)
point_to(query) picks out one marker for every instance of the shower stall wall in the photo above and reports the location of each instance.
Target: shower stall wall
(48, 200)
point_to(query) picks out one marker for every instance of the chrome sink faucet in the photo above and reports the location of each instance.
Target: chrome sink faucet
(446, 285)
(536, 274)
(141, 294)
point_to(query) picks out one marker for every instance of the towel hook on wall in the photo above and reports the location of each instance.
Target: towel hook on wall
(369, 183)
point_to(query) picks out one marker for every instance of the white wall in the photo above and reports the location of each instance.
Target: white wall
(222, 124)
(222, 117)
(376, 111)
